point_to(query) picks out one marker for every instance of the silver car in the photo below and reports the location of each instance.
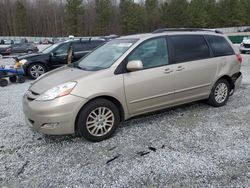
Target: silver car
(133, 75)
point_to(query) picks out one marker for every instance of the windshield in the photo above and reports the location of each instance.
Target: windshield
(50, 48)
(106, 55)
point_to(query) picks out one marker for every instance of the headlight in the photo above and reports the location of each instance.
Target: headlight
(23, 61)
(58, 91)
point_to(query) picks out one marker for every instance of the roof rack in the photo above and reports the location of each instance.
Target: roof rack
(185, 29)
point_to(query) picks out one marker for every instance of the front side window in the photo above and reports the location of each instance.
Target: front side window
(152, 53)
(63, 49)
(106, 55)
(219, 45)
(188, 48)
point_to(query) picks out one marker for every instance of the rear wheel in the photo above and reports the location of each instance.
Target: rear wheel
(21, 79)
(13, 79)
(220, 93)
(3, 82)
(98, 120)
(35, 70)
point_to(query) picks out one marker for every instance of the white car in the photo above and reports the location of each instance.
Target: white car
(245, 45)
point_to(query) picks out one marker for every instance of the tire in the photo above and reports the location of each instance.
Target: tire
(109, 119)
(3, 82)
(35, 70)
(220, 93)
(13, 79)
(21, 79)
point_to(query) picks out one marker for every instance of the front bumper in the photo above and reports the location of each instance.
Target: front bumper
(55, 117)
(244, 50)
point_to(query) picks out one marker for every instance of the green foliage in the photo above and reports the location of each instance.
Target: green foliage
(132, 17)
(21, 19)
(198, 13)
(74, 12)
(152, 15)
(175, 14)
(103, 16)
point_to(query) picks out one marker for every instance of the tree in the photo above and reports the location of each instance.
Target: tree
(132, 17)
(74, 12)
(152, 15)
(175, 14)
(103, 16)
(198, 13)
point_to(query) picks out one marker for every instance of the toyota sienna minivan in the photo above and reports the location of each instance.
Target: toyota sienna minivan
(133, 75)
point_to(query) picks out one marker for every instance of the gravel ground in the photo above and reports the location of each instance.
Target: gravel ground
(194, 145)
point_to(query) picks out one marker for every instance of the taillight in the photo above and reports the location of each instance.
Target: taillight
(239, 58)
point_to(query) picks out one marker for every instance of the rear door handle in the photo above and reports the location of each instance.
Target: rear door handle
(180, 68)
(167, 71)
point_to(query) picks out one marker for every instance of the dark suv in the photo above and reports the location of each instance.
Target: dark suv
(56, 55)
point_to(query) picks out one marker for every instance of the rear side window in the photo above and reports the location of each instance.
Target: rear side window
(219, 45)
(188, 48)
(86, 45)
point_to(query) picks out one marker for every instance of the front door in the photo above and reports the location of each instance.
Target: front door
(60, 55)
(151, 88)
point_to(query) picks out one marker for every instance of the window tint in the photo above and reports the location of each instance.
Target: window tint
(63, 49)
(78, 47)
(152, 53)
(86, 45)
(188, 48)
(219, 45)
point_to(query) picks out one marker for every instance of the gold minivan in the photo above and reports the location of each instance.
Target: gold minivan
(133, 75)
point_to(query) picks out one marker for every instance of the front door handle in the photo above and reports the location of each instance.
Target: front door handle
(167, 71)
(180, 68)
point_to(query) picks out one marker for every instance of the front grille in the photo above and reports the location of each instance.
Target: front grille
(246, 45)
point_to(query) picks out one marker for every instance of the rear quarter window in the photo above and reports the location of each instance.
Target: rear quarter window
(219, 45)
(188, 48)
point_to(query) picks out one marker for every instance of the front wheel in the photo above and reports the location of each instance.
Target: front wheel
(35, 70)
(220, 93)
(98, 120)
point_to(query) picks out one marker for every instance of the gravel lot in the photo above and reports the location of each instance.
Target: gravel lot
(194, 145)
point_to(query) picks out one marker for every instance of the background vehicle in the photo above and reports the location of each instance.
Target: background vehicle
(5, 49)
(133, 75)
(56, 55)
(247, 29)
(245, 45)
(24, 48)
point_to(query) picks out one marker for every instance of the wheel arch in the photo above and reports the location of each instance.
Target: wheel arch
(36, 62)
(112, 99)
(229, 79)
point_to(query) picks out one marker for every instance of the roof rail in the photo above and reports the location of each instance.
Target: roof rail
(185, 29)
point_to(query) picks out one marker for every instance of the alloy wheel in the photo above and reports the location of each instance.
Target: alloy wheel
(100, 121)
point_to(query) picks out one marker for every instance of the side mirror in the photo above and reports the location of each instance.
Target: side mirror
(134, 65)
(52, 54)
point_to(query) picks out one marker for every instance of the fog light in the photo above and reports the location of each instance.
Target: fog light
(49, 125)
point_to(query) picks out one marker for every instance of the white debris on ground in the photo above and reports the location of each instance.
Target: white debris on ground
(194, 145)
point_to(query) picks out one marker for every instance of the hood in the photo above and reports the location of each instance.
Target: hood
(246, 41)
(57, 77)
(31, 56)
